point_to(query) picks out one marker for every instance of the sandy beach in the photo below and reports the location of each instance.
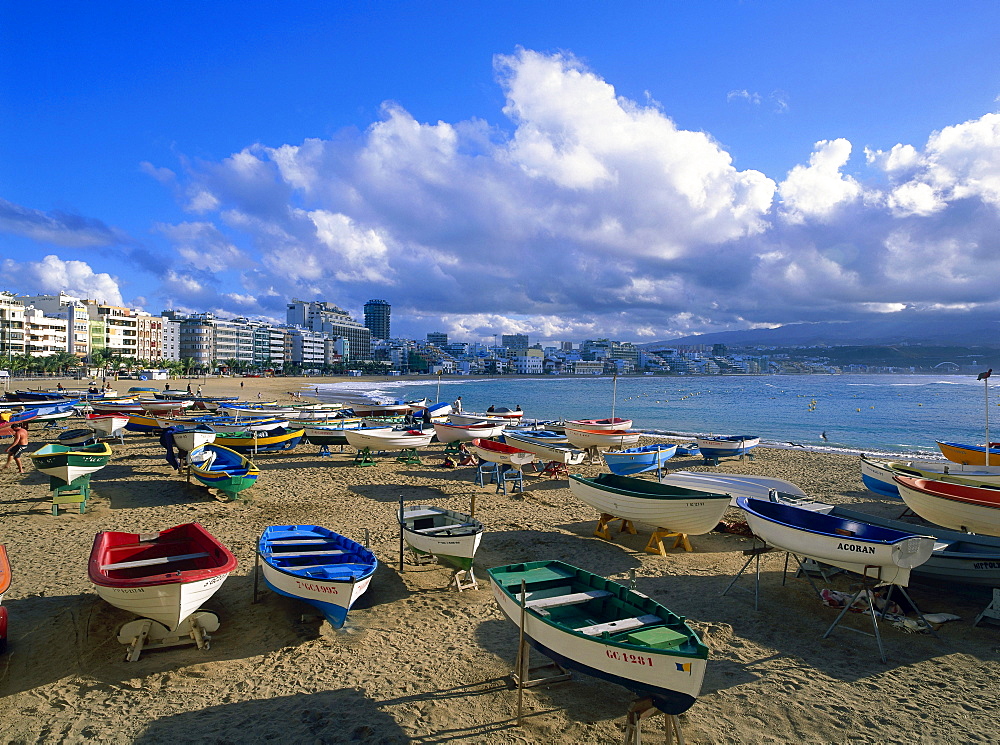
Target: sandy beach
(419, 662)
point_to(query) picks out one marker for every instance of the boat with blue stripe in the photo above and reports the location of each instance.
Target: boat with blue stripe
(312, 563)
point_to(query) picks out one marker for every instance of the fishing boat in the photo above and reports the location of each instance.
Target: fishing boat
(452, 537)
(227, 424)
(501, 452)
(602, 438)
(159, 406)
(436, 411)
(726, 446)
(877, 474)
(838, 541)
(218, 467)
(970, 509)
(639, 460)
(590, 624)
(191, 438)
(689, 511)
(117, 406)
(68, 463)
(4, 586)
(270, 441)
(333, 433)
(77, 437)
(615, 423)
(541, 435)
(368, 408)
(557, 455)
(965, 558)
(472, 418)
(378, 438)
(106, 425)
(314, 564)
(164, 576)
(736, 485)
(970, 455)
(449, 432)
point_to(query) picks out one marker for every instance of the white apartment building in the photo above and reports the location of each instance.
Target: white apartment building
(44, 335)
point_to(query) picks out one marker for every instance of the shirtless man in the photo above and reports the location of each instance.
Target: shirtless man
(17, 447)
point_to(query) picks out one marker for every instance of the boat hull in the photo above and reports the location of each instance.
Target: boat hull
(447, 432)
(602, 438)
(422, 530)
(639, 460)
(969, 455)
(163, 576)
(965, 558)
(681, 510)
(965, 508)
(736, 485)
(726, 447)
(70, 463)
(837, 541)
(271, 441)
(388, 440)
(289, 569)
(218, 467)
(600, 424)
(550, 452)
(673, 679)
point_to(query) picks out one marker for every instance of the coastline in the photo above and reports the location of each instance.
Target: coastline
(421, 663)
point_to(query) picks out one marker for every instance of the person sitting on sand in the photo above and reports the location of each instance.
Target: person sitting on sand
(466, 458)
(17, 447)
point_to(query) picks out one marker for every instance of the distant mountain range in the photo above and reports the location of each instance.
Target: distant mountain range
(914, 329)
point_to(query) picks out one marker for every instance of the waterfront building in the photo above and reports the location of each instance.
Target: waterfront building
(327, 318)
(438, 338)
(377, 314)
(516, 343)
(44, 335)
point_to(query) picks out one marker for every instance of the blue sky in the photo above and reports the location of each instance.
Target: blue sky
(562, 169)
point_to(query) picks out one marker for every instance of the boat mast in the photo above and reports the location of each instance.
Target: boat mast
(614, 398)
(985, 377)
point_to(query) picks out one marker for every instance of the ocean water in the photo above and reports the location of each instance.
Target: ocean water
(887, 414)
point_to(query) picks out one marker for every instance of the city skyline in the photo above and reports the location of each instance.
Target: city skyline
(564, 171)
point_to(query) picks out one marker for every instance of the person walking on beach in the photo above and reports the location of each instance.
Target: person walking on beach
(199, 389)
(189, 389)
(18, 446)
(457, 406)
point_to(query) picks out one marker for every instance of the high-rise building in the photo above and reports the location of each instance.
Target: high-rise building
(516, 343)
(328, 318)
(438, 339)
(377, 318)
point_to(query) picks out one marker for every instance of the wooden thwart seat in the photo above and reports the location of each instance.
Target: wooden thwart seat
(574, 598)
(442, 528)
(414, 514)
(622, 624)
(297, 554)
(152, 562)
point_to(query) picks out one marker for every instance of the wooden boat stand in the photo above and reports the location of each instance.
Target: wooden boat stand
(655, 545)
(643, 709)
(593, 455)
(364, 457)
(76, 493)
(409, 456)
(603, 529)
(324, 450)
(464, 579)
(146, 633)
(522, 666)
